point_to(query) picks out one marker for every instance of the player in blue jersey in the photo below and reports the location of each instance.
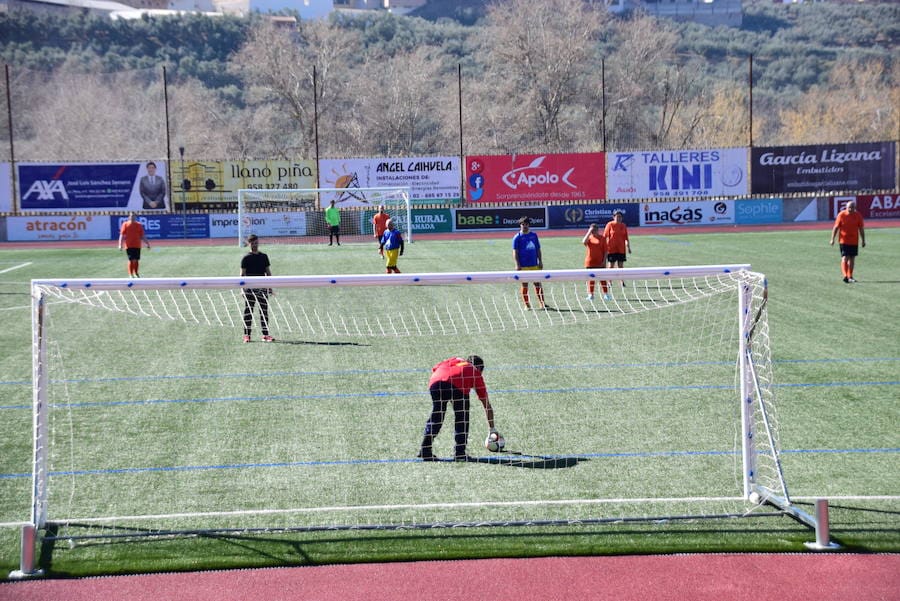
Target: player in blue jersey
(391, 246)
(527, 255)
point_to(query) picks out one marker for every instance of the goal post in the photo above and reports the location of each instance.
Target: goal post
(655, 401)
(297, 215)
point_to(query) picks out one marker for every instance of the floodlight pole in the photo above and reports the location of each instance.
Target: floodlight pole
(184, 180)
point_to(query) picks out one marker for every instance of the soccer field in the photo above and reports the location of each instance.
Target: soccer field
(194, 421)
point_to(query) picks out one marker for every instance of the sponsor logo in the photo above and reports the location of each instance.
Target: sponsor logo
(531, 175)
(47, 190)
(676, 215)
(623, 162)
(680, 177)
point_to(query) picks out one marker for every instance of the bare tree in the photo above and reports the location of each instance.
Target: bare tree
(284, 68)
(538, 58)
(406, 106)
(97, 116)
(861, 103)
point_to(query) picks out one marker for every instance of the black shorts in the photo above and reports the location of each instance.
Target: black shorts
(335, 229)
(616, 257)
(134, 254)
(849, 250)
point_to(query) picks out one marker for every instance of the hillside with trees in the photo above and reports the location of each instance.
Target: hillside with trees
(521, 77)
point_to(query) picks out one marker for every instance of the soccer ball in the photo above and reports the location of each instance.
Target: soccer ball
(494, 442)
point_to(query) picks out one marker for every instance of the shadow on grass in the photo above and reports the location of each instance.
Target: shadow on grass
(537, 462)
(317, 343)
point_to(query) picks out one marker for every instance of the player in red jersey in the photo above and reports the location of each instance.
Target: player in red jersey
(451, 380)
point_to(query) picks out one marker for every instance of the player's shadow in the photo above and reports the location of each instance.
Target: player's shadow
(535, 462)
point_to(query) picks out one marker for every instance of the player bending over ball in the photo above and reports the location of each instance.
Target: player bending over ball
(451, 380)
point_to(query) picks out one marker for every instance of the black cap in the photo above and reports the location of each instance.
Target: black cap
(477, 361)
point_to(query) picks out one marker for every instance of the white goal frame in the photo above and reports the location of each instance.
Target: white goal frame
(751, 397)
(371, 196)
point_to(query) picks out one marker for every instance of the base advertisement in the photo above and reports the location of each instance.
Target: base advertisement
(466, 220)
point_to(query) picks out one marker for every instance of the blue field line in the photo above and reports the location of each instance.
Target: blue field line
(364, 372)
(370, 394)
(358, 462)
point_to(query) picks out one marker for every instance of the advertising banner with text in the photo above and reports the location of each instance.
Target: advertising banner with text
(498, 219)
(50, 227)
(166, 226)
(581, 216)
(671, 174)
(764, 210)
(212, 185)
(424, 221)
(6, 193)
(536, 177)
(870, 206)
(286, 223)
(698, 212)
(92, 186)
(430, 179)
(793, 169)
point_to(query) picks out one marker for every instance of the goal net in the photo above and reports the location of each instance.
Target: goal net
(151, 416)
(298, 215)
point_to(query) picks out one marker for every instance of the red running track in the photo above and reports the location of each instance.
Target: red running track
(731, 577)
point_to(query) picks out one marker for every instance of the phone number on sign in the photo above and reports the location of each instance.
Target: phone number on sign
(279, 186)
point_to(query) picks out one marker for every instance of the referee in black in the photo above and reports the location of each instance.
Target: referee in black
(256, 263)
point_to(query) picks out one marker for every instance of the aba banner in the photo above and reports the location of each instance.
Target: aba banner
(670, 174)
(535, 177)
(430, 179)
(789, 169)
(870, 206)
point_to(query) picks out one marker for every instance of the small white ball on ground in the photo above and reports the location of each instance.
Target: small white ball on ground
(494, 442)
(754, 497)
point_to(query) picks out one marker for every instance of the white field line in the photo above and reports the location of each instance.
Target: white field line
(165, 516)
(15, 267)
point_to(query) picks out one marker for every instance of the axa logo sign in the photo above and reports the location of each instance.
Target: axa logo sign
(534, 174)
(46, 190)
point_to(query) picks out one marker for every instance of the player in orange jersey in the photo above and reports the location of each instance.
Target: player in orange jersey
(379, 225)
(595, 257)
(132, 234)
(617, 242)
(849, 224)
